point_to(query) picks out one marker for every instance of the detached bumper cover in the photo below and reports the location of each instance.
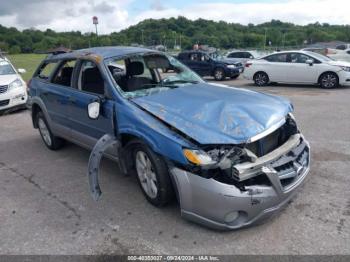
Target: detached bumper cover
(212, 203)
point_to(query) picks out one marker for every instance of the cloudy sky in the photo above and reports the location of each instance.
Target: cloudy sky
(114, 15)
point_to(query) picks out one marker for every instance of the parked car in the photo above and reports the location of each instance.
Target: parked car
(341, 52)
(298, 67)
(242, 56)
(13, 90)
(203, 64)
(233, 157)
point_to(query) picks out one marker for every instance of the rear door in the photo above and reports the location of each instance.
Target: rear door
(90, 86)
(53, 95)
(277, 67)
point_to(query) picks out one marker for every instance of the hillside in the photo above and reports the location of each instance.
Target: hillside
(178, 31)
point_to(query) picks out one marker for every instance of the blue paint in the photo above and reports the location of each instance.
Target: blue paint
(213, 114)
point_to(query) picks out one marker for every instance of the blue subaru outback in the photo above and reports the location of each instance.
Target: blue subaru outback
(231, 157)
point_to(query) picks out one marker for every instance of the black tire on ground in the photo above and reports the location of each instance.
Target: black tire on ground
(152, 172)
(261, 79)
(234, 77)
(52, 142)
(219, 74)
(329, 80)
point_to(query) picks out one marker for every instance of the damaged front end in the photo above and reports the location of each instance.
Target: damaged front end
(244, 183)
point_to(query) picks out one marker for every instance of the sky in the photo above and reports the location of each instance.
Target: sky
(115, 15)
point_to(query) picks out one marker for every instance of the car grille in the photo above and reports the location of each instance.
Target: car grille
(4, 102)
(289, 168)
(3, 89)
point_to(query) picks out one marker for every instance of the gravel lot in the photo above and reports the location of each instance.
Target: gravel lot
(46, 207)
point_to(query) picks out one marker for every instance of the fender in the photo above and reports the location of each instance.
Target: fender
(94, 162)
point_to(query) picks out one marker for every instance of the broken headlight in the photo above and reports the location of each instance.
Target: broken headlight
(198, 157)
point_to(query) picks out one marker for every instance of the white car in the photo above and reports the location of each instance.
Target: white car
(13, 90)
(242, 56)
(298, 67)
(341, 52)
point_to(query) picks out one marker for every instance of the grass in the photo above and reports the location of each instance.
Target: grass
(27, 61)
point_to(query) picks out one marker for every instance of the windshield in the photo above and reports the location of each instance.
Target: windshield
(216, 56)
(6, 68)
(149, 73)
(320, 57)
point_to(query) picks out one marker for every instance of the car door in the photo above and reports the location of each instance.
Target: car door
(54, 96)
(301, 71)
(277, 67)
(90, 86)
(194, 63)
(205, 64)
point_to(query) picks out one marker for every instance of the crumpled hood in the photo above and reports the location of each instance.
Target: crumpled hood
(212, 114)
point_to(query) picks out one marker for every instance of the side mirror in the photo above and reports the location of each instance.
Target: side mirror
(251, 57)
(94, 110)
(21, 70)
(310, 62)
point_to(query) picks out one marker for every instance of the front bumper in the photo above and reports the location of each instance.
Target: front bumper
(224, 206)
(344, 78)
(231, 72)
(13, 98)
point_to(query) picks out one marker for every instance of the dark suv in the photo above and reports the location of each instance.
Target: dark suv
(206, 65)
(231, 156)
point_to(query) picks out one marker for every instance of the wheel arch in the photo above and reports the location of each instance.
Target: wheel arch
(35, 110)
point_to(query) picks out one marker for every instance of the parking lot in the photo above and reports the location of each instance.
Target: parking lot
(47, 208)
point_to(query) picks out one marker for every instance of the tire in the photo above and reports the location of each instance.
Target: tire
(219, 74)
(261, 79)
(329, 80)
(152, 175)
(234, 77)
(52, 142)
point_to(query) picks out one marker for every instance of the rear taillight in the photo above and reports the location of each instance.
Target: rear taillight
(248, 64)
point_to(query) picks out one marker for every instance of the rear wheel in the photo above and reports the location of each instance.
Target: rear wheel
(329, 80)
(153, 176)
(51, 141)
(219, 74)
(261, 79)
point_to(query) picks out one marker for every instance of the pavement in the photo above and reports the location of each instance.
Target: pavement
(46, 207)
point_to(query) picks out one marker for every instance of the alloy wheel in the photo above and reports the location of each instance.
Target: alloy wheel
(329, 81)
(44, 131)
(146, 174)
(261, 79)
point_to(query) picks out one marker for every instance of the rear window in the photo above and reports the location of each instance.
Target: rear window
(46, 70)
(280, 58)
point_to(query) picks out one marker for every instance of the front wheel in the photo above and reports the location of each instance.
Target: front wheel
(219, 74)
(329, 80)
(234, 77)
(153, 176)
(261, 79)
